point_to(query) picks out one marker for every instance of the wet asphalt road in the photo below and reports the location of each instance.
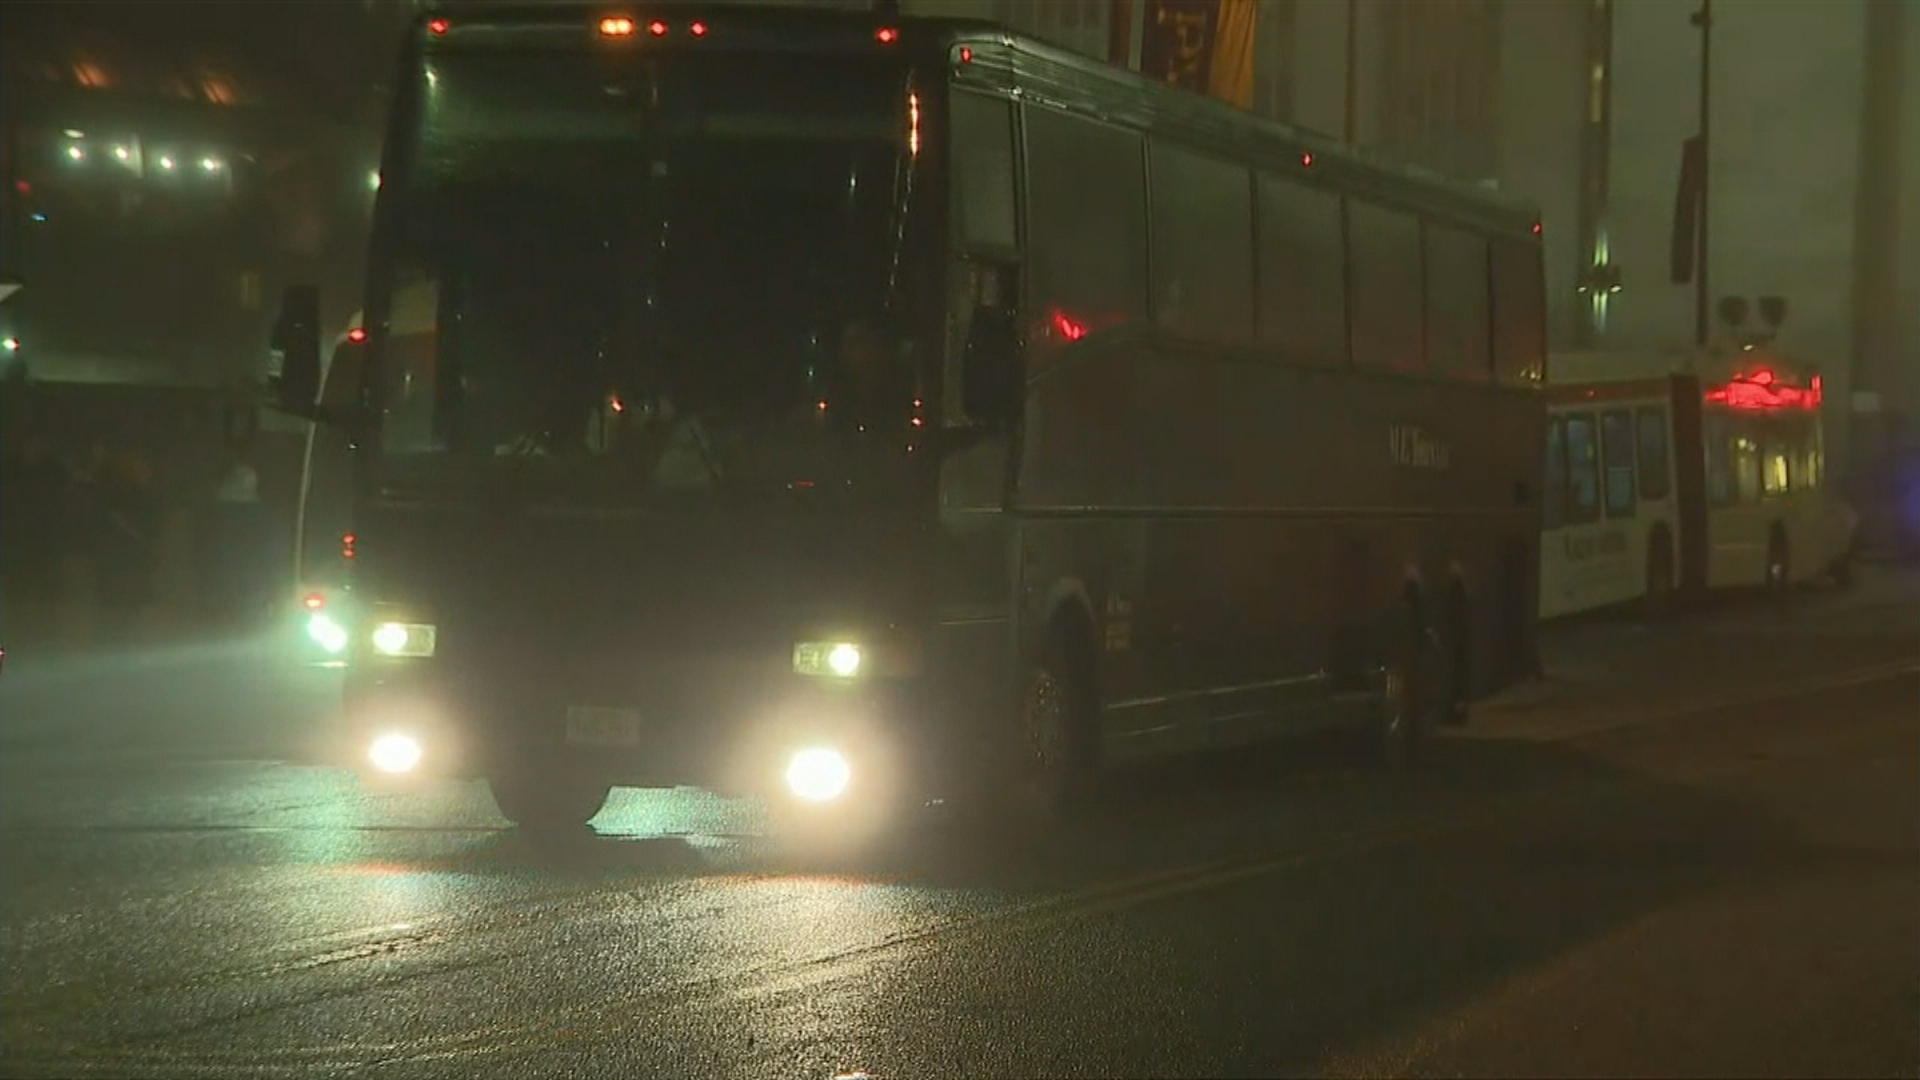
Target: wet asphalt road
(1694, 849)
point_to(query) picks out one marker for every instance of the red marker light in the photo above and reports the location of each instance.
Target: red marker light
(313, 601)
(23, 187)
(616, 26)
(438, 26)
(1306, 160)
(346, 545)
(1067, 327)
(357, 335)
(918, 402)
(1536, 228)
(886, 35)
(657, 28)
(966, 55)
(917, 422)
(698, 29)
(616, 404)
(822, 405)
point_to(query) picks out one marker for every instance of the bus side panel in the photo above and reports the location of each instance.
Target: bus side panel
(1690, 485)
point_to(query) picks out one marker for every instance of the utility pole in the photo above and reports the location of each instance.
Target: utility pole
(1704, 20)
(1353, 77)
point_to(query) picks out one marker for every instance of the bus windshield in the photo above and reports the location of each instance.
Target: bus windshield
(653, 275)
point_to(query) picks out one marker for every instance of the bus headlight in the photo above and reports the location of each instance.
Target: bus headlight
(404, 639)
(325, 631)
(395, 753)
(818, 774)
(841, 659)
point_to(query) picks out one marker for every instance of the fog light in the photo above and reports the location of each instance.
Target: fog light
(325, 632)
(395, 753)
(818, 774)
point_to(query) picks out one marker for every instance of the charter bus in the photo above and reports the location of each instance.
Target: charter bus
(1670, 484)
(836, 405)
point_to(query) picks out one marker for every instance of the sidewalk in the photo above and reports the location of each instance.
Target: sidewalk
(1606, 672)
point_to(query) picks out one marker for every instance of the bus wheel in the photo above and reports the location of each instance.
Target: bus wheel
(1657, 604)
(1779, 581)
(1050, 764)
(547, 800)
(1413, 693)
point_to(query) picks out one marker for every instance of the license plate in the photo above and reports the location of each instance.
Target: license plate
(600, 725)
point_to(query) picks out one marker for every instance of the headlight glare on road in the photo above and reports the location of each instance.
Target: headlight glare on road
(840, 659)
(818, 774)
(395, 753)
(404, 639)
(323, 630)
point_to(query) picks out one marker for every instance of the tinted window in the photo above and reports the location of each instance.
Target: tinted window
(983, 171)
(1519, 319)
(1457, 303)
(1086, 233)
(1583, 469)
(1303, 286)
(1655, 473)
(1554, 510)
(1719, 460)
(1616, 447)
(1385, 258)
(1744, 454)
(1202, 245)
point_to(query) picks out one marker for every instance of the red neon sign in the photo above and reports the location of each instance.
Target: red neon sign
(1763, 391)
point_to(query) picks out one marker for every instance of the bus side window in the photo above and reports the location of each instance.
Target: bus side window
(1775, 471)
(1719, 447)
(1456, 275)
(1302, 306)
(1655, 472)
(1384, 310)
(1553, 511)
(1616, 448)
(1583, 470)
(1201, 253)
(983, 187)
(1519, 314)
(1087, 228)
(1745, 459)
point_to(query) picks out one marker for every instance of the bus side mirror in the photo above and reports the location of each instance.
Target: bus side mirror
(296, 347)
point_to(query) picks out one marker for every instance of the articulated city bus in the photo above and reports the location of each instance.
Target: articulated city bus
(1681, 483)
(837, 406)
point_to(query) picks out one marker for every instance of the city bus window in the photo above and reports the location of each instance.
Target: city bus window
(1386, 303)
(1655, 473)
(1554, 508)
(1086, 191)
(1719, 440)
(1746, 468)
(1583, 469)
(1518, 315)
(983, 172)
(1201, 257)
(1302, 306)
(1775, 478)
(1616, 448)
(1456, 274)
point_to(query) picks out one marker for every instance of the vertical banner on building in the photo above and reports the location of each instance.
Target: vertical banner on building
(1201, 45)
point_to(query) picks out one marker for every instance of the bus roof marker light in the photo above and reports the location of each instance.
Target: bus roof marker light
(966, 54)
(697, 28)
(438, 26)
(658, 28)
(616, 26)
(1538, 228)
(1306, 160)
(357, 335)
(886, 35)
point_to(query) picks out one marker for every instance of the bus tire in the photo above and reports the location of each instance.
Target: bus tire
(547, 801)
(1657, 603)
(1779, 580)
(1051, 754)
(1412, 691)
